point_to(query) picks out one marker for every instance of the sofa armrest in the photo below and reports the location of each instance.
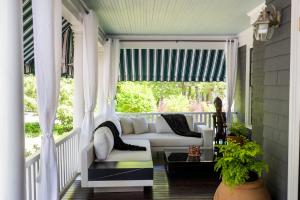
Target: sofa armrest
(87, 158)
(207, 134)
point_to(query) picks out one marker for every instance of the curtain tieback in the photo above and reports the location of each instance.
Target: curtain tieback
(47, 135)
(108, 99)
(88, 111)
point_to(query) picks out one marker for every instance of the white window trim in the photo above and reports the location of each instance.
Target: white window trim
(294, 106)
(246, 39)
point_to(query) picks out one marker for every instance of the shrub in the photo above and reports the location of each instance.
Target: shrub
(61, 129)
(32, 129)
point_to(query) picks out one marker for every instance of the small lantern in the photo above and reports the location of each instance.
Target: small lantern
(266, 23)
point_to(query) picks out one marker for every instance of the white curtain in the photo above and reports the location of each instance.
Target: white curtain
(90, 71)
(47, 29)
(231, 52)
(109, 78)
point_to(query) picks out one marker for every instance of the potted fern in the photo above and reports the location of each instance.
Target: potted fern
(238, 132)
(241, 170)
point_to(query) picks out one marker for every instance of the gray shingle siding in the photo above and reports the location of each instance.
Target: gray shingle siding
(270, 100)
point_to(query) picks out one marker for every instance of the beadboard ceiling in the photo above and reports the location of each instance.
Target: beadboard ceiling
(206, 17)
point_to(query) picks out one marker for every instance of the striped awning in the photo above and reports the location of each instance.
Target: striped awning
(179, 65)
(28, 47)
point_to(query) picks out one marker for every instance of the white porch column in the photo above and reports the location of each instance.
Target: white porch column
(100, 71)
(12, 167)
(78, 77)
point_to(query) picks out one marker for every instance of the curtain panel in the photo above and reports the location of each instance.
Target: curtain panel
(90, 71)
(231, 53)
(47, 28)
(109, 79)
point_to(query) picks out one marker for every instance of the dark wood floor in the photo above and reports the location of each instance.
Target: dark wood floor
(181, 186)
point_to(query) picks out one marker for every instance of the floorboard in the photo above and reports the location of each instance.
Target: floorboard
(181, 186)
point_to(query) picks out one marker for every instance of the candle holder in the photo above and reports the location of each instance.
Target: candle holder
(194, 151)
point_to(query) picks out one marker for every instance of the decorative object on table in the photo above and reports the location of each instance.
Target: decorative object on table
(238, 132)
(241, 171)
(268, 20)
(219, 120)
(194, 151)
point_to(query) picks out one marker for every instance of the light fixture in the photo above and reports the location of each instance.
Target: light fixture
(267, 21)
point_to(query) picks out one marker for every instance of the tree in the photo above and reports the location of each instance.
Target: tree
(162, 90)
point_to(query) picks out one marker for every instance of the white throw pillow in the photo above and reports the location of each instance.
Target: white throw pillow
(162, 126)
(140, 125)
(126, 125)
(103, 143)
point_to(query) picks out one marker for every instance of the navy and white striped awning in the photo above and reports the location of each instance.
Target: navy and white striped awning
(28, 47)
(179, 65)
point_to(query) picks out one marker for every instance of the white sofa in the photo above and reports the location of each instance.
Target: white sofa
(169, 140)
(137, 166)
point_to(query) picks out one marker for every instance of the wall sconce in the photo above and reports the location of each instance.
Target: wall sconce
(267, 21)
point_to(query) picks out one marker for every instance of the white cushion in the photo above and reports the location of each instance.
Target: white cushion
(103, 143)
(166, 139)
(162, 126)
(126, 125)
(140, 125)
(117, 155)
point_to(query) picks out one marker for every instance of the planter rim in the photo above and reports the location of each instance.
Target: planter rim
(248, 185)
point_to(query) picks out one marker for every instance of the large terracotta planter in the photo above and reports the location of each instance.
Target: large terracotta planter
(249, 191)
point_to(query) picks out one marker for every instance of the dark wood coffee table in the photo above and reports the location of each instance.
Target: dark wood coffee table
(178, 161)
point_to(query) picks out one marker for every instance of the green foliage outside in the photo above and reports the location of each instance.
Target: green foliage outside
(64, 121)
(30, 97)
(237, 161)
(32, 129)
(178, 103)
(168, 96)
(133, 97)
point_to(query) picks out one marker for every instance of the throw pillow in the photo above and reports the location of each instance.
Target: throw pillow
(140, 125)
(126, 125)
(101, 144)
(162, 126)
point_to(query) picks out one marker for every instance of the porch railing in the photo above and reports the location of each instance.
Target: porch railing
(198, 117)
(67, 157)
